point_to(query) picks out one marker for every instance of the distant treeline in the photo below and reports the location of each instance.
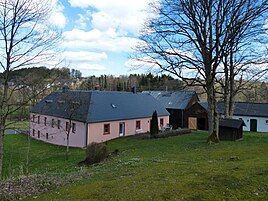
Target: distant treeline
(125, 83)
(42, 72)
(39, 77)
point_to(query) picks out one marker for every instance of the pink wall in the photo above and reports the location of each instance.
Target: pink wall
(55, 135)
(96, 130)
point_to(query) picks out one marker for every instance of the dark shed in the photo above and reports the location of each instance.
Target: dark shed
(231, 129)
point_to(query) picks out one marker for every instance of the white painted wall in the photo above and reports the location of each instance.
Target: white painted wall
(262, 123)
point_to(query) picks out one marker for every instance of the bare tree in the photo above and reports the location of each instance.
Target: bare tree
(189, 39)
(245, 53)
(26, 40)
(71, 107)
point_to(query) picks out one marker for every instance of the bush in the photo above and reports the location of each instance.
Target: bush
(96, 153)
(164, 134)
(172, 133)
(154, 129)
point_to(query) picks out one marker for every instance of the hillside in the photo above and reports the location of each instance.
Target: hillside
(177, 168)
(18, 75)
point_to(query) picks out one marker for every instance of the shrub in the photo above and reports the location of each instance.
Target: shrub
(96, 153)
(172, 133)
(154, 129)
(164, 134)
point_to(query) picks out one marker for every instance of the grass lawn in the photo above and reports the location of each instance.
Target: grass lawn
(176, 168)
(43, 157)
(18, 124)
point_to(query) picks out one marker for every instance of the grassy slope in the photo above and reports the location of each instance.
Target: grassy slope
(43, 157)
(178, 168)
(182, 168)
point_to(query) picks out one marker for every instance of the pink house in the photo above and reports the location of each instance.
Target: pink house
(93, 116)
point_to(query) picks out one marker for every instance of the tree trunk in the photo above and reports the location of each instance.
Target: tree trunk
(3, 116)
(213, 120)
(28, 155)
(226, 88)
(227, 104)
(67, 147)
(226, 94)
(1, 149)
(232, 106)
(232, 87)
(229, 86)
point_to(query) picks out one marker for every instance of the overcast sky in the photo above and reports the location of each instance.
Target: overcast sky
(98, 35)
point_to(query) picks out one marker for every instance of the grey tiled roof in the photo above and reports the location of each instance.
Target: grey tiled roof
(249, 109)
(244, 108)
(231, 123)
(173, 99)
(204, 104)
(99, 106)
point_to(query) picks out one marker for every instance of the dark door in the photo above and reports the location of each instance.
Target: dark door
(173, 118)
(201, 123)
(121, 129)
(253, 125)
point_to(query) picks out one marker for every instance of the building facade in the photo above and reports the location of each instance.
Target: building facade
(84, 117)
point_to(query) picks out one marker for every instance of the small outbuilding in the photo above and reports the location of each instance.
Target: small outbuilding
(231, 129)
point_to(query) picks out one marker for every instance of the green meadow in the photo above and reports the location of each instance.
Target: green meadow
(176, 168)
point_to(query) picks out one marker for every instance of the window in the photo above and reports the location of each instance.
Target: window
(38, 119)
(106, 129)
(161, 122)
(67, 126)
(138, 125)
(52, 123)
(73, 127)
(45, 121)
(33, 118)
(33, 132)
(58, 124)
(47, 136)
(38, 134)
(266, 121)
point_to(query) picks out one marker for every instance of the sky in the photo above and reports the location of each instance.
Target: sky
(99, 35)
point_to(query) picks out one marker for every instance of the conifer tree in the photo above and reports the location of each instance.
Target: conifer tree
(154, 129)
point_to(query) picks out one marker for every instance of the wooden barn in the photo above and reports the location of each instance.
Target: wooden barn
(196, 117)
(231, 129)
(176, 103)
